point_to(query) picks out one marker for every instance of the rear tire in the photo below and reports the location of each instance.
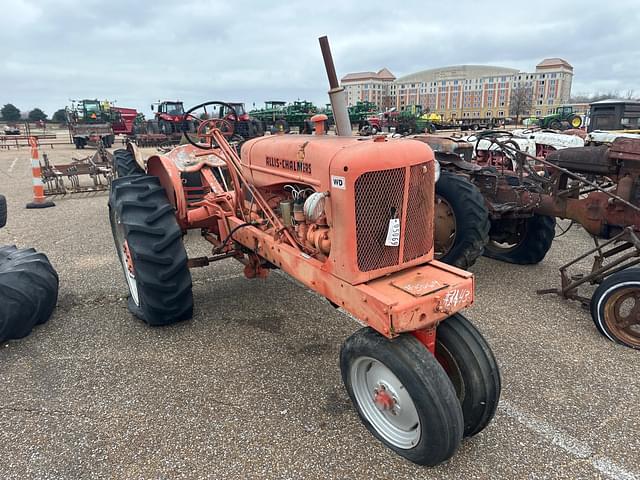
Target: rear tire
(165, 127)
(469, 362)
(152, 127)
(149, 244)
(125, 164)
(618, 322)
(402, 395)
(281, 125)
(535, 234)
(460, 204)
(28, 291)
(575, 121)
(3, 211)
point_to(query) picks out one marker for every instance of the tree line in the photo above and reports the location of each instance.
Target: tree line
(11, 113)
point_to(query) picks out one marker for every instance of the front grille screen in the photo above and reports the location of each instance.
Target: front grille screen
(418, 234)
(378, 199)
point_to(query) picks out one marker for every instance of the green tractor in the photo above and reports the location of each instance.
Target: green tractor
(277, 116)
(562, 119)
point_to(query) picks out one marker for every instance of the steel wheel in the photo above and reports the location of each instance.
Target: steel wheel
(445, 234)
(385, 402)
(622, 314)
(615, 307)
(124, 254)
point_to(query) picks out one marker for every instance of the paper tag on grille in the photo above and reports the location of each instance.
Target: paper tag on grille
(393, 233)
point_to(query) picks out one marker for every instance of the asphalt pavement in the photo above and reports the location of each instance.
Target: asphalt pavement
(251, 388)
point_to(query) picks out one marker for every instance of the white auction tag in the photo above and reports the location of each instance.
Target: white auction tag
(393, 233)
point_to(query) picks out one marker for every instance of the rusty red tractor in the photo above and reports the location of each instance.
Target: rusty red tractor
(506, 201)
(352, 220)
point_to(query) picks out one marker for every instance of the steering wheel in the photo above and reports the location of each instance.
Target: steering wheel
(225, 125)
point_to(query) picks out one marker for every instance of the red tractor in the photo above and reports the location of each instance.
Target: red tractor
(351, 219)
(169, 117)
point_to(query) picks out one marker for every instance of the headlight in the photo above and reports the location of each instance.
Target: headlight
(437, 169)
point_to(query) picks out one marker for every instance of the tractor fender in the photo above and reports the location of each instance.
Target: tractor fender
(137, 155)
(171, 180)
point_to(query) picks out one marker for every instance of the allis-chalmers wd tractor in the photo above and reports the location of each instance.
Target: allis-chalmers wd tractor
(350, 218)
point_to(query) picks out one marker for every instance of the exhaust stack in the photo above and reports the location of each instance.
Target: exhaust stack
(336, 92)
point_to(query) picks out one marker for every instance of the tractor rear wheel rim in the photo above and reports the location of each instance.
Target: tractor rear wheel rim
(124, 253)
(445, 231)
(513, 242)
(622, 315)
(385, 403)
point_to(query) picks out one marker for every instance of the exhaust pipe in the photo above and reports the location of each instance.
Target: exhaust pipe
(336, 92)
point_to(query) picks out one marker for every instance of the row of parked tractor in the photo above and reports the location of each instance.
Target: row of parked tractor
(499, 193)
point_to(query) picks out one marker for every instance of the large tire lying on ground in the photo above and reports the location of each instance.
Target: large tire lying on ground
(462, 221)
(28, 291)
(149, 244)
(614, 307)
(527, 242)
(125, 164)
(3, 211)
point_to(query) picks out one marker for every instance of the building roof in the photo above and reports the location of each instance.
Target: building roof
(456, 72)
(554, 62)
(383, 74)
(614, 100)
(386, 74)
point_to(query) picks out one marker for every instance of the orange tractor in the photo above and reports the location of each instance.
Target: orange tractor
(350, 218)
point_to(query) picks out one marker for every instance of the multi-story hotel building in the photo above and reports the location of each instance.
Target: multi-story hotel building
(370, 87)
(466, 91)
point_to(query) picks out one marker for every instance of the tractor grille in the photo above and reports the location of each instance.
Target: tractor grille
(378, 199)
(418, 233)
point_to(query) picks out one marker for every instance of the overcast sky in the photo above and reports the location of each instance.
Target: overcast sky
(137, 52)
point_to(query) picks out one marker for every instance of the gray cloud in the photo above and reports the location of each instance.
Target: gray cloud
(137, 52)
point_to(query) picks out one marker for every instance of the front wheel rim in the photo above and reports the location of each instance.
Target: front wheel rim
(385, 403)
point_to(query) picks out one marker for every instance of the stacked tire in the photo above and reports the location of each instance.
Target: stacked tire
(28, 287)
(28, 291)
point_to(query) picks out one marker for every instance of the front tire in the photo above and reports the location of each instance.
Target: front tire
(522, 241)
(469, 362)
(402, 395)
(125, 164)
(615, 308)
(462, 221)
(149, 244)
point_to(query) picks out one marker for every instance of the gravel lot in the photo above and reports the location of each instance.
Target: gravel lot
(250, 388)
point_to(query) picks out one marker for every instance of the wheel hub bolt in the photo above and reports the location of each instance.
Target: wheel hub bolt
(384, 400)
